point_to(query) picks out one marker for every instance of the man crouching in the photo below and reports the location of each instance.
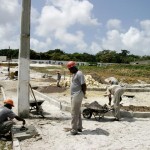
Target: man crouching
(6, 116)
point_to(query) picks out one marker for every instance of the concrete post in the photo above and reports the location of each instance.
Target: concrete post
(24, 61)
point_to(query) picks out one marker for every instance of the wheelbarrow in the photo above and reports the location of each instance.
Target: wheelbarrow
(35, 104)
(95, 109)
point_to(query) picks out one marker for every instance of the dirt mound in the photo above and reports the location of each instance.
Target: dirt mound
(95, 105)
(46, 80)
(51, 89)
(98, 78)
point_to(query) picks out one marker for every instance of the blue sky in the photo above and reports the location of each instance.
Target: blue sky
(79, 25)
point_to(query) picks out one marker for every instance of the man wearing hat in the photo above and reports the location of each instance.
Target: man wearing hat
(6, 117)
(78, 91)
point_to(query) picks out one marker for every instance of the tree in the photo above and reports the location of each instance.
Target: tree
(65, 57)
(88, 57)
(125, 53)
(124, 56)
(77, 56)
(33, 54)
(106, 56)
(58, 51)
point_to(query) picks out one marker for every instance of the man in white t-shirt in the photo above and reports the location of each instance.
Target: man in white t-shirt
(115, 92)
(78, 91)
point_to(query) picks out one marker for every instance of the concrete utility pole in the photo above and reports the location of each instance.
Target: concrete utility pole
(24, 61)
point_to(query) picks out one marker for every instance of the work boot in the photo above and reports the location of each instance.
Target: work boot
(116, 119)
(79, 130)
(73, 132)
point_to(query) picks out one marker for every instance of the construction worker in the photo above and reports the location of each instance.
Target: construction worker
(112, 81)
(115, 92)
(58, 78)
(6, 116)
(78, 91)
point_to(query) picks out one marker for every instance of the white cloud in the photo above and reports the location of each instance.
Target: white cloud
(112, 40)
(74, 11)
(63, 15)
(57, 18)
(12, 42)
(114, 24)
(95, 47)
(71, 39)
(66, 24)
(9, 23)
(9, 11)
(34, 15)
(145, 25)
(40, 45)
(134, 40)
(131, 37)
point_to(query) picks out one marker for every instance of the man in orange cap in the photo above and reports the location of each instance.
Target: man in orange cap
(78, 91)
(6, 116)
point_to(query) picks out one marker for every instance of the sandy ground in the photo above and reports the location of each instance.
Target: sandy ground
(127, 134)
(104, 134)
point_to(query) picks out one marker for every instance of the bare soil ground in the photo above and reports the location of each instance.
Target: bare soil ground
(92, 96)
(51, 89)
(129, 133)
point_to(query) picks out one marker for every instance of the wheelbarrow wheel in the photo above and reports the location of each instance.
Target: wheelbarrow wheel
(87, 113)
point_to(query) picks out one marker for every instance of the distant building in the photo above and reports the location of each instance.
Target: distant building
(144, 62)
(52, 62)
(59, 62)
(3, 58)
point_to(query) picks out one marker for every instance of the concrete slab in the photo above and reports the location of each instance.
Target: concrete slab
(141, 114)
(23, 133)
(128, 114)
(137, 89)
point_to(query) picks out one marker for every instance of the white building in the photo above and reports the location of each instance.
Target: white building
(3, 58)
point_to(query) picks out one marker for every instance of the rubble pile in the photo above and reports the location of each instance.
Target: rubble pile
(90, 81)
(65, 82)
